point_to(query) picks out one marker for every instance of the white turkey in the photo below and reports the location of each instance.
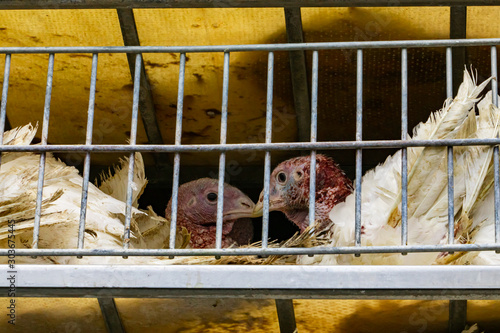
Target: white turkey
(105, 218)
(381, 191)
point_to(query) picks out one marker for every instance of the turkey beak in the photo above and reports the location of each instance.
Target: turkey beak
(275, 203)
(259, 207)
(244, 207)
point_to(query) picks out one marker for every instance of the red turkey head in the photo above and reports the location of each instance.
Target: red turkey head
(289, 189)
(197, 212)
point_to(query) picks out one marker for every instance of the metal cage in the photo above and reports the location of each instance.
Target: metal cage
(268, 146)
(258, 282)
(456, 283)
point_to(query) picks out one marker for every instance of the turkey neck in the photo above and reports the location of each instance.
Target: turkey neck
(204, 236)
(326, 199)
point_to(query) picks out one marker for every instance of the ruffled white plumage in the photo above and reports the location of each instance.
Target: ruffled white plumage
(62, 192)
(427, 191)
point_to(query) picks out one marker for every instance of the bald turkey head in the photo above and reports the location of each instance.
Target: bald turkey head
(197, 212)
(289, 190)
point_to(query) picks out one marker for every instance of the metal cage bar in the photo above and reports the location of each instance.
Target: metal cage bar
(450, 166)
(314, 133)
(275, 146)
(267, 158)
(133, 140)
(222, 158)
(88, 141)
(404, 157)
(177, 156)
(255, 251)
(256, 47)
(41, 167)
(359, 137)
(449, 72)
(3, 103)
(496, 162)
(451, 195)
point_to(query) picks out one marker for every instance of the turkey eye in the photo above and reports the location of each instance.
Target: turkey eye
(212, 196)
(281, 177)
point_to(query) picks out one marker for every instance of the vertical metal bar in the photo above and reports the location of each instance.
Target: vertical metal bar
(3, 104)
(451, 203)
(88, 141)
(457, 316)
(404, 159)
(286, 315)
(451, 208)
(458, 23)
(133, 139)
(41, 167)
(359, 137)
(449, 73)
(177, 157)
(494, 73)
(267, 161)
(222, 158)
(314, 131)
(298, 71)
(111, 315)
(496, 163)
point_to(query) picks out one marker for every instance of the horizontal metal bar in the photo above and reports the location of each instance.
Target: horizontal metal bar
(317, 293)
(325, 145)
(253, 251)
(256, 47)
(255, 277)
(111, 4)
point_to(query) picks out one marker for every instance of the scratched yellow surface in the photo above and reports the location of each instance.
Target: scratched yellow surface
(73, 315)
(203, 85)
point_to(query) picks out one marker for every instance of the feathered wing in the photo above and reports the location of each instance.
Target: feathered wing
(115, 183)
(479, 165)
(22, 135)
(424, 163)
(154, 229)
(475, 223)
(62, 192)
(428, 198)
